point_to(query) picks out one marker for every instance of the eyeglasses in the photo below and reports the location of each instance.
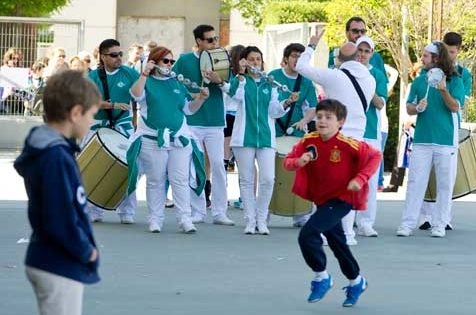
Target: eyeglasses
(62, 56)
(114, 54)
(167, 61)
(211, 39)
(358, 30)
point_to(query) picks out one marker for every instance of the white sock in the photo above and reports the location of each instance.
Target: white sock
(321, 275)
(356, 281)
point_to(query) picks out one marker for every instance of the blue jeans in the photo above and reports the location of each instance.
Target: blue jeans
(327, 220)
(381, 170)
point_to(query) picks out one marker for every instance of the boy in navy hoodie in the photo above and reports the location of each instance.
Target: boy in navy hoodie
(62, 254)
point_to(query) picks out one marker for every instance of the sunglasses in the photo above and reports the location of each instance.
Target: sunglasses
(167, 61)
(357, 31)
(62, 56)
(211, 39)
(114, 54)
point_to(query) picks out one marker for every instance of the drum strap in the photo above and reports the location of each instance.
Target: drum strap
(105, 87)
(357, 88)
(285, 126)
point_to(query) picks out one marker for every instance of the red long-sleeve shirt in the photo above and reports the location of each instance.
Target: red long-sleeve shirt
(338, 160)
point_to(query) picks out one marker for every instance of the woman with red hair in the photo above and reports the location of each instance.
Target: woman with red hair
(163, 144)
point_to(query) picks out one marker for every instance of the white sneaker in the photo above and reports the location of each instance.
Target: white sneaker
(95, 219)
(127, 219)
(223, 220)
(196, 219)
(367, 230)
(250, 228)
(351, 241)
(169, 203)
(154, 227)
(438, 232)
(187, 227)
(404, 231)
(262, 228)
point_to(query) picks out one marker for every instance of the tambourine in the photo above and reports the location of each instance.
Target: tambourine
(434, 76)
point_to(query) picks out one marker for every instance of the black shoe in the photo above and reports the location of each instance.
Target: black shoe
(449, 227)
(425, 226)
(390, 189)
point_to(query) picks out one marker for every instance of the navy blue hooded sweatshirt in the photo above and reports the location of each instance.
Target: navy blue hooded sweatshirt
(62, 240)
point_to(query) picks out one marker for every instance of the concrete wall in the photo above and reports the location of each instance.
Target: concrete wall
(99, 17)
(13, 130)
(193, 13)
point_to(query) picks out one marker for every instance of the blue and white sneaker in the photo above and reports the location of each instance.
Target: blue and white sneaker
(319, 289)
(353, 293)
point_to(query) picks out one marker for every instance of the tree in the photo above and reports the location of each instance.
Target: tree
(31, 8)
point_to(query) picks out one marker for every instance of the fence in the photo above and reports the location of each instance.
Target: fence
(22, 42)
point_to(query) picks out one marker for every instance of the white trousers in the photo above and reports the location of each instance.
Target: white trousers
(55, 295)
(423, 157)
(158, 164)
(256, 208)
(128, 204)
(212, 139)
(367, 217)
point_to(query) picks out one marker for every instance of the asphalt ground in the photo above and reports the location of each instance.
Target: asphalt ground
(219, 270)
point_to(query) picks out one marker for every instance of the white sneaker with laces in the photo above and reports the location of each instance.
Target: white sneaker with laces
(198, 219)
(187, 227)
(250, 228)
(223, 220)
(154, 227)
(127, 219)
(351, 241)
(404, 231)
(262, 228)
(438, 232)
(367, 230)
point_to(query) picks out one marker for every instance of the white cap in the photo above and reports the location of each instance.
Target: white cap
(365, 39)
(432, 48)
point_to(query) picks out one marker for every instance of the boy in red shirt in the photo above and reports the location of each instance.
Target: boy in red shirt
(332, 170)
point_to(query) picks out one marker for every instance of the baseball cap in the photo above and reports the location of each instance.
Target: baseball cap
(365, 39)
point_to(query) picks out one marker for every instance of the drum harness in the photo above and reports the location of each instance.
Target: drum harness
(109, 111)
(285, 126)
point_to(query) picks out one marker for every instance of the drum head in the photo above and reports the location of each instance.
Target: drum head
(285, 144)
(434, 76)
(115, 143)
(215, 60)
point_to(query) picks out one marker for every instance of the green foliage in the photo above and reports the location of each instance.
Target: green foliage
(30, 8)
(250, 10)
(279, 12)
(471, 111)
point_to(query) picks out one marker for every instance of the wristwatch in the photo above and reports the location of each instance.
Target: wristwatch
(313, 46)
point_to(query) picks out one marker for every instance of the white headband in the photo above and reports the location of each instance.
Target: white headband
(432, 48)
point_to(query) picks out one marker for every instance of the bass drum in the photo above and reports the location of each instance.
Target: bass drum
(216, 60)
(103, 167)
(465, 182)
(284, 202)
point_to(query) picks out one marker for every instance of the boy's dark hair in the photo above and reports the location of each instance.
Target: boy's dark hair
(453, 39)
(202, 29)
(333, 106)
(291, 48)
(106, 44)
(66, 89)
(353, 19)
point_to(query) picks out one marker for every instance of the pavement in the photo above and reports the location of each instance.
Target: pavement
(219, 270)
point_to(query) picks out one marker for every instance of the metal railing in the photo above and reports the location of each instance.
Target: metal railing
(24, 41)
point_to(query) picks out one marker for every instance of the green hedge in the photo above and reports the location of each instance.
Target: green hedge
(294, 12)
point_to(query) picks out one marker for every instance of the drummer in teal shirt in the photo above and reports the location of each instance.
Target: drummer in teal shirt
(115, 112)
(365, 49)
(435, 139)
(207, 124)
(304, 109)
(296, 120)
